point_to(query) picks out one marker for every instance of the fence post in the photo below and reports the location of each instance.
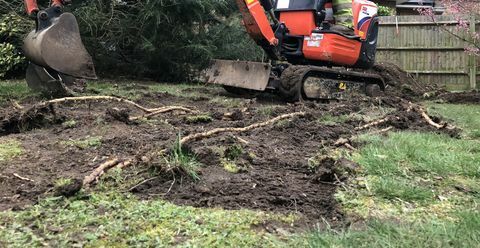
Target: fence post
(473, 59)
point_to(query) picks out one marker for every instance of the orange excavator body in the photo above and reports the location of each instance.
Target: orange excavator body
(296, 33)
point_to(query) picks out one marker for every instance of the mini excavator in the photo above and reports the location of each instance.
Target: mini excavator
(307, 59)
(55, 50)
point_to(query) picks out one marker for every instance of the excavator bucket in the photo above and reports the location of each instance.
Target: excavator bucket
(55, 49)
(239, 74)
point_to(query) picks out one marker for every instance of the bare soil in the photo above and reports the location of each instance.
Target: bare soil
(472, 97)
(279, 166)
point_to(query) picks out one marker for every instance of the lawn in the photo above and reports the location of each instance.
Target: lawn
(412, 189)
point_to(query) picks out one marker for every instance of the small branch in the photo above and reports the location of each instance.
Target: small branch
(142, 183)
(215, 131)
(171, 186)
(23, 178)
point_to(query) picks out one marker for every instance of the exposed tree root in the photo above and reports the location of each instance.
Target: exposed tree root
(161, 111)
(372, 124)
(99, 171)
(215, 131)
(98, 98)
(150, 111)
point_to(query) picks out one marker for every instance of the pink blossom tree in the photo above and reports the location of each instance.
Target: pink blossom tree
(464, 12)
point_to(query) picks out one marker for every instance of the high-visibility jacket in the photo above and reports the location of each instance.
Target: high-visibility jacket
(342, 10)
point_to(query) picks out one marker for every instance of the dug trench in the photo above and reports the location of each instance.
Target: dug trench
(284, 167)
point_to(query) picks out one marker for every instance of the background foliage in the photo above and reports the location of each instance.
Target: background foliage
(164, 40)
(12, 29)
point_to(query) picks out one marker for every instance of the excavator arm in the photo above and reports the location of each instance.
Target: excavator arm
(31, 6)
(258, 26)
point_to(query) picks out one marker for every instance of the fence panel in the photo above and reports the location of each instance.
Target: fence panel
(428, 51)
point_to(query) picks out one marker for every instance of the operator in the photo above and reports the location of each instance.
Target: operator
(343, 12)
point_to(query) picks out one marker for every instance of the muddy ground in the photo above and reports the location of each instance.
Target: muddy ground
(283, 168)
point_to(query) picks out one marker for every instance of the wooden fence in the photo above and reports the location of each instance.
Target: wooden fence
(426, 50)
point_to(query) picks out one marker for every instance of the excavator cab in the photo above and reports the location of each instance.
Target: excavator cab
(56, 53)
(309, 39)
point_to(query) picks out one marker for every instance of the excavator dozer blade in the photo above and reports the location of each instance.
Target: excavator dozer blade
(56, 44)
(239, 74)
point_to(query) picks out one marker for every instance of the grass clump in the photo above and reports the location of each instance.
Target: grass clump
(89, 142)
(198, 119)
(179, 159)
(267, 110)
(230, 166)
(233, 152)
(10, 149)
(62, 182)
(69, 124)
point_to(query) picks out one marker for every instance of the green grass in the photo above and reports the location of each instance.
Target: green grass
(134, 90)
(10, 149)
(409, 154)
(88, 142)
(413, 190)
(463, 115)
(329, 119)
(463, 232)
(409, 175)
(16, 90)
(116, 220)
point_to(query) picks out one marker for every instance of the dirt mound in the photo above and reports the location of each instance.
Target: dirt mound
(37, 117)
(400, 83)
(472, 97)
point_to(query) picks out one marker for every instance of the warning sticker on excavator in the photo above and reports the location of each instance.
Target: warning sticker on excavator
(314, 40)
